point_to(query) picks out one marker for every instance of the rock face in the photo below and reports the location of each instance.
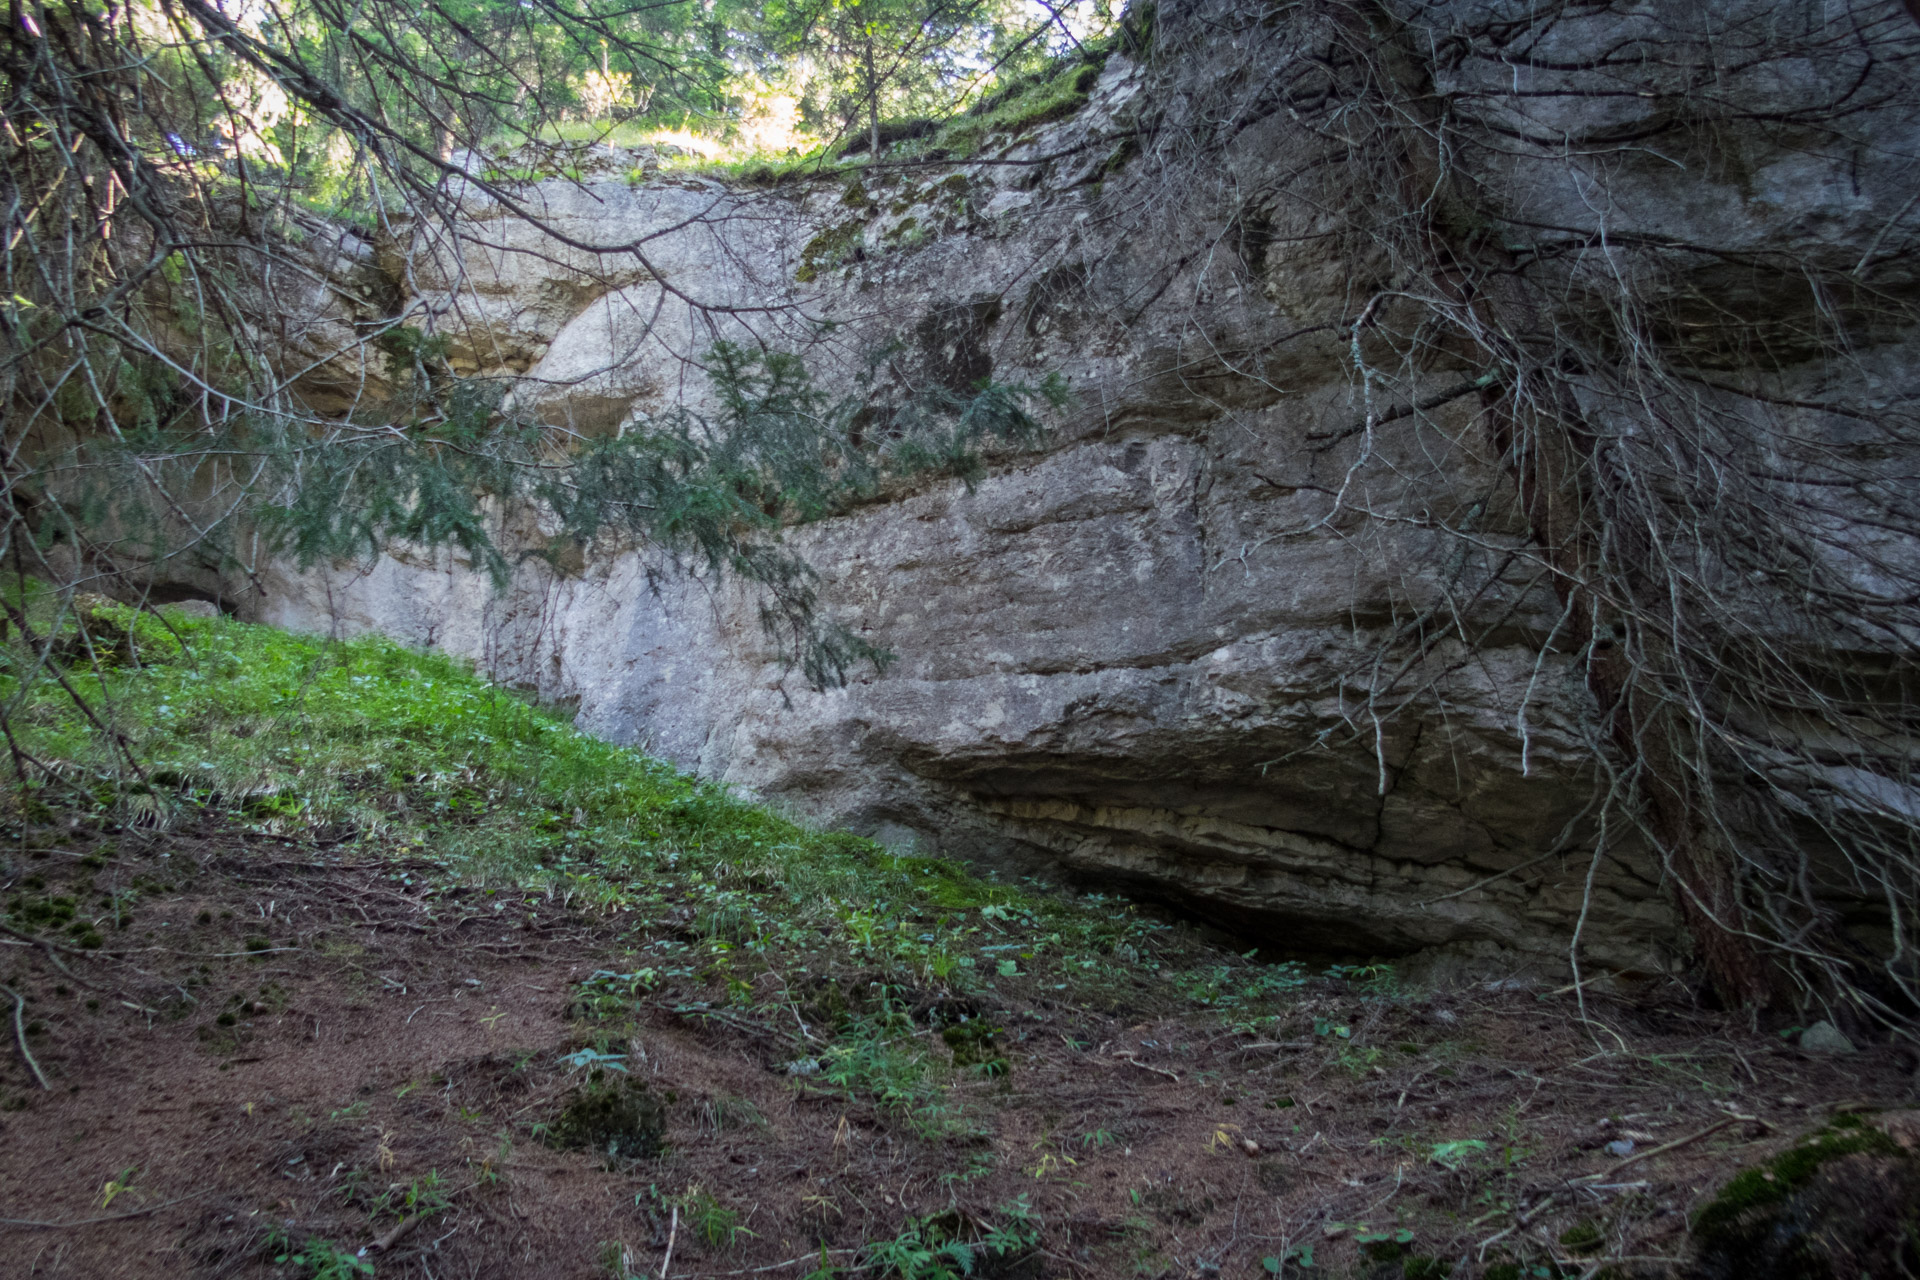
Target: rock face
(1193, 647)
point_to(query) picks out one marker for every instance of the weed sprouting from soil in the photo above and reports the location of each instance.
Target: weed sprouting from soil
(317, 1259)
(949, 1245)
(714, 1224)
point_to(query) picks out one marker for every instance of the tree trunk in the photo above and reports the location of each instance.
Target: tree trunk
(1548, 453)
(873, 103)
(1624, 665)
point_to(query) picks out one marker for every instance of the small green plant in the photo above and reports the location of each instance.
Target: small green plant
(617, 1260)
(1384, 1245)
(1250, 995)
(1358, 1060)
(118, 1185)
(1018, 1228)
(1377, 980)
(718, 1115)
(949, 1246)
(711, 1222)
(594, 1060)
(879, 1058)
(1300, 1255)
(826, 1270)
(1512, 1154)
(319, 1259)
(980, 1163)
(1457, 1154)
(422, 1196)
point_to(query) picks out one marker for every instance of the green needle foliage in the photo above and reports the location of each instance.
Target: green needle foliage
(861, 60)
(171, 401)
(714, 491)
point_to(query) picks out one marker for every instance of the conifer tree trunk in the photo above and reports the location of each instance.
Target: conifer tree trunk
(1624, 663)
(873, 100)
(1544, 444)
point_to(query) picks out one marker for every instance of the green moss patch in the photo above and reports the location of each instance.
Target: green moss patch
(1025, 104)
(828, 249)
(1788, 1172)
(1844, 1203)
(1583, 1237)
(615, 1116)
(973, 1045)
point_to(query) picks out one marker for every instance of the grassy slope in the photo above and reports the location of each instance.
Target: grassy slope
(730, 913)
(955, 1017)
(412, 753)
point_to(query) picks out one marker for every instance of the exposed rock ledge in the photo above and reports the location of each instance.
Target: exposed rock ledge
(1121, 658)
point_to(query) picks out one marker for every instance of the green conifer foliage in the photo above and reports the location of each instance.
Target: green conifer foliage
(446, 462)
(162, 163)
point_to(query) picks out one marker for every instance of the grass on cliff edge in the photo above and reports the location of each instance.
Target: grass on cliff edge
(368, 746)
(1001, 118)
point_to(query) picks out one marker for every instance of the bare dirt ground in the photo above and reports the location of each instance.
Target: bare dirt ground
(283, 1064)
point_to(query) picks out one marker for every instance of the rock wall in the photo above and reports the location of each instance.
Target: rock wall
(1149, 655)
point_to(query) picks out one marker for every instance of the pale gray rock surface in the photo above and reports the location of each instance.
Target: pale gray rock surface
(1824, 1037)
(1139, 656)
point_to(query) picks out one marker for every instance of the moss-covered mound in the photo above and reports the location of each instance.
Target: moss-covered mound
(1843, 1205)
(618, 1117)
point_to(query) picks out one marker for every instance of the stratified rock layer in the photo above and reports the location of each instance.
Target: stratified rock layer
(1153, 655)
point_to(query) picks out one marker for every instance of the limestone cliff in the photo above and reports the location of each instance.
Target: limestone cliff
(1150, 654)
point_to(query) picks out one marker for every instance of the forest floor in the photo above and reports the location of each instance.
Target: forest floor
(411, 980)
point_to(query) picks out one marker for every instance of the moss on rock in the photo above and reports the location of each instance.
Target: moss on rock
(827, 249)
(1842, 1205)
